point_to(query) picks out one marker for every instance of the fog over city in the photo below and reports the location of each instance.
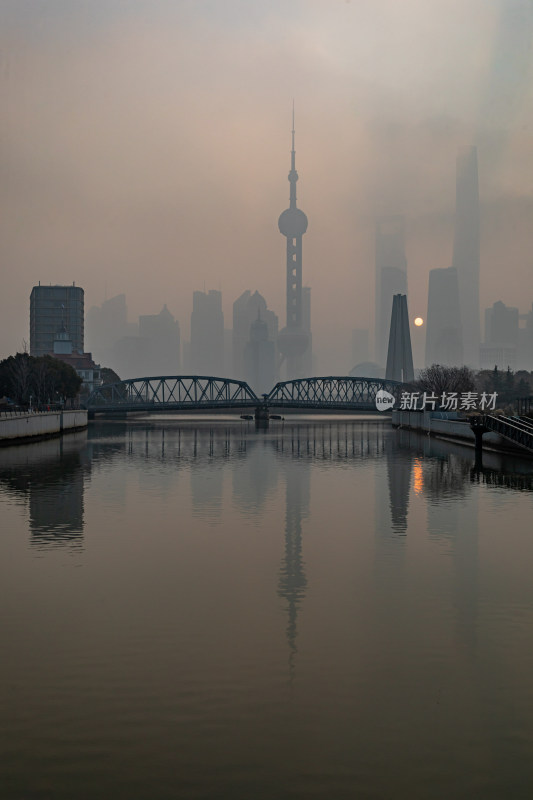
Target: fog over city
(145, 148)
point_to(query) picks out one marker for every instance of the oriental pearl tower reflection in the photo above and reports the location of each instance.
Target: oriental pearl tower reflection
(292, 579)
(293, 340)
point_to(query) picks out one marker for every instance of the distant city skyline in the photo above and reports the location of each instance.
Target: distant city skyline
(146, 160)
(452, 324)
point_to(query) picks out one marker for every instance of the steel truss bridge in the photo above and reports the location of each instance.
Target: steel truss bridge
(197, 392)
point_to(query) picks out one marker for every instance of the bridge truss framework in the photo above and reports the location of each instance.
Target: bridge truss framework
(356, 394)
(196, 392)
(171, 393)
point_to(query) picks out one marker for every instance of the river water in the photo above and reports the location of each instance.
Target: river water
(327, 609)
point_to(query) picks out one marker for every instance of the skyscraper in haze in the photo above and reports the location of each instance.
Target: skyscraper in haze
(106, 325)
(207, 334)
(466, 251)
(400, 354)
(53, 308)
(359, 346)
(444, 342)
(293, 340)
(391, 278)
(502, 337)
(161, 333)
(246, 310)
(501, 324)
(260, 358)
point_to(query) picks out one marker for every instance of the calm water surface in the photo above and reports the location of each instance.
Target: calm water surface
(328, 609)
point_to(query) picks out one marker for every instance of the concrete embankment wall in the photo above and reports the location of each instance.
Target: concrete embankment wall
(21, 426)
(434, 423)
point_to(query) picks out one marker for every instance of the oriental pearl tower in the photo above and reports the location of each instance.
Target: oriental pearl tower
(293, 340)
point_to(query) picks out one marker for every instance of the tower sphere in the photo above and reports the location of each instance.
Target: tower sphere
(292, 222)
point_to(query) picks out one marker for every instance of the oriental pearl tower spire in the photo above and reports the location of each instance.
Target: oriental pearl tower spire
(293, 340)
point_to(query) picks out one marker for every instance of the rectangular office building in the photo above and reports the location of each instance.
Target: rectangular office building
(54, 309)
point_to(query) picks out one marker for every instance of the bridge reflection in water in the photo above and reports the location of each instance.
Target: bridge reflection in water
(240, 589)
(410, 465)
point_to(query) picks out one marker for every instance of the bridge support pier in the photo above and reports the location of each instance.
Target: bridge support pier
(262, 416)
(479, 428)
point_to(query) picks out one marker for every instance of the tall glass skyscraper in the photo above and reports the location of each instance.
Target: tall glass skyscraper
(466, 251)
(207, 334)
(444, 342)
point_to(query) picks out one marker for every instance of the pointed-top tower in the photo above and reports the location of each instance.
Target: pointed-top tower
(293, 340)
(400, 356)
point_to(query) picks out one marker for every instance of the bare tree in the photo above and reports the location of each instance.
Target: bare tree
(439, 378)
(19, 369)
(41, 380)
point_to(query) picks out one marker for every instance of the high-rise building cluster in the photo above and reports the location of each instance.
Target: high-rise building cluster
(452, 321)
(255, 350)
(153, 346)
(453, 329)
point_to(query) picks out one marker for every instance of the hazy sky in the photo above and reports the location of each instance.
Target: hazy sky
(145, 148)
